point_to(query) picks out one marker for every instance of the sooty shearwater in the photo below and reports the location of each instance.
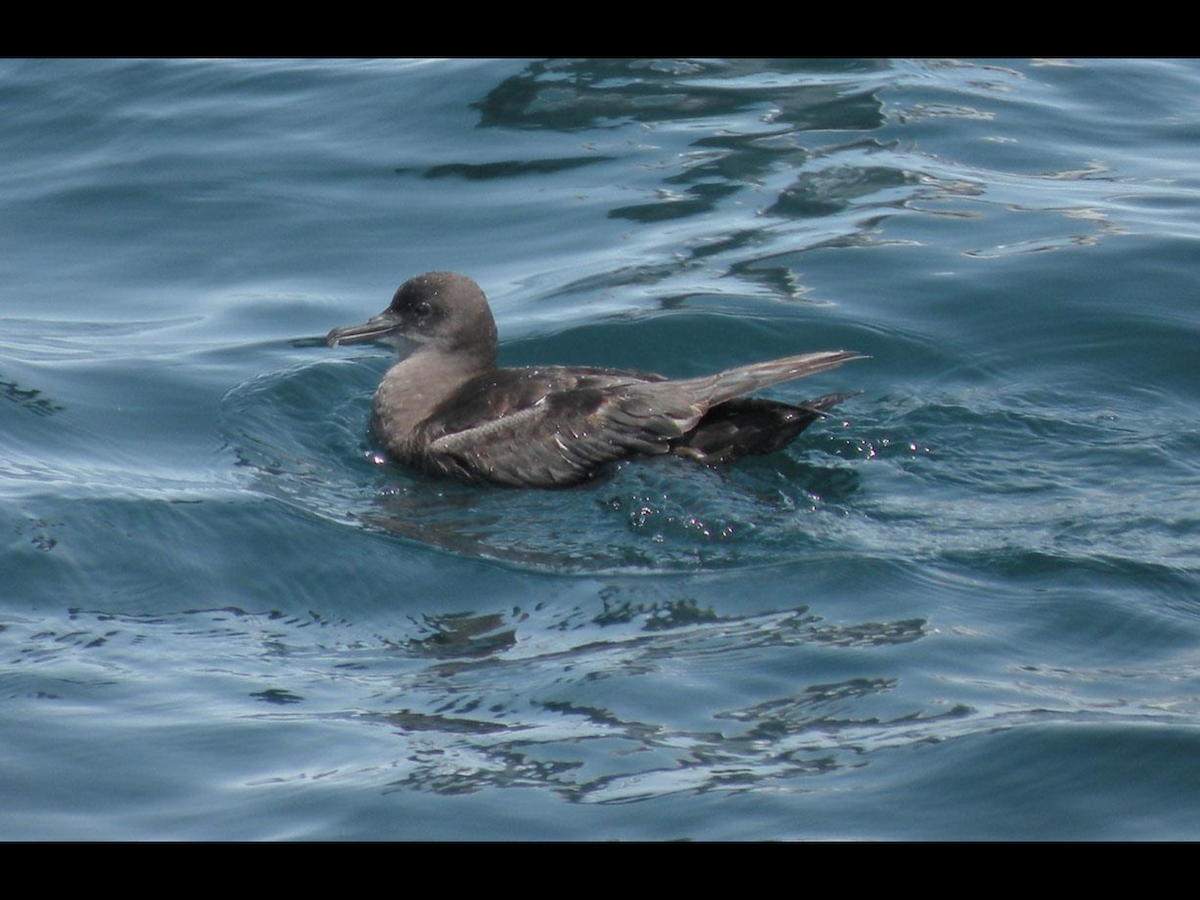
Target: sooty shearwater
(446, 408)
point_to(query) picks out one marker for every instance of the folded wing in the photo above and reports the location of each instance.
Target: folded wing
(556, 426)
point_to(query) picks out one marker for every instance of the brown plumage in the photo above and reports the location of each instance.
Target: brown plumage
(448, 409)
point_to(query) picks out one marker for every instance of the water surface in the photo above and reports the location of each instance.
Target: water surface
(968, 606)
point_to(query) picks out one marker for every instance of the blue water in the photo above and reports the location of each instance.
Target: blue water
(968, 606)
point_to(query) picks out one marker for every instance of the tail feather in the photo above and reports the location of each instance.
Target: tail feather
(748, 426)
(820, 405)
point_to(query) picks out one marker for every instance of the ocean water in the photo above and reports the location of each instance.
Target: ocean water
(967, 606)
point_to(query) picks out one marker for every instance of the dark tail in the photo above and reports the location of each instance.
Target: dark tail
(748, 426)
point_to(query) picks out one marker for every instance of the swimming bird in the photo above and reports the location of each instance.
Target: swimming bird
(446, 408)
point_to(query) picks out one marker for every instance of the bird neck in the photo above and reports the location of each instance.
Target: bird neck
(414, 387)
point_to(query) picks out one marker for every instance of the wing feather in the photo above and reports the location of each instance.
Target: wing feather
(553, 426)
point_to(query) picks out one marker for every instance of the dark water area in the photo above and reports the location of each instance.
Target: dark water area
(966, 606)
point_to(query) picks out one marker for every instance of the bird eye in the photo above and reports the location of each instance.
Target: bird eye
(422, 309)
